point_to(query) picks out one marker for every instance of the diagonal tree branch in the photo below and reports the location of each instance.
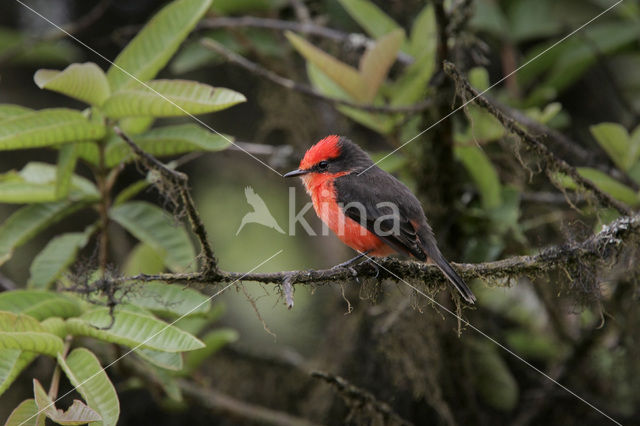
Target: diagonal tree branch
(179, 181)
(533, 142)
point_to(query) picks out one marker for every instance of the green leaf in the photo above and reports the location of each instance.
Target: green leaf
(214, 340)
(347, 77)
(533, 19)
(10, 110)
(413, 84)
(84, 371)
(424, 33)
(67, 159)
(167, 360)
(483, 127)
(131, 191)
(377, 60)
(28, 50)
(56, 257)
(170, 98)
(156, 43)
(135, 125)
(534, 345)
(634, 172)
(134, 330)
(605, 183)
(150, 224)
(85, 82)
(615, 140)
(381, 123)
(570, 60)
(26, 414)
(143, 259)
(233, 7)
(483, 174)
(27, 222)
(26, 334)
(39, 304)
(77, 414)
(611, 186)
(169, 299)
(195, 324)
(56, 325)
(479, 78)
(12, 362)
(545, 115)
(47, 127)
(374, 21)
(165, 141)
(492, 377)
(362, 84)
(37, 183)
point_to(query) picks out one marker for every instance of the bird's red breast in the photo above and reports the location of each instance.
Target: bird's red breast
(323, 196)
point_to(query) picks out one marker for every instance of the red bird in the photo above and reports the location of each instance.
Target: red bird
(371, 212)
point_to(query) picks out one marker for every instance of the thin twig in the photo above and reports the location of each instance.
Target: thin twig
(363, 397)
(568, 146)
(565, 144)
(304, 89)
(55, 378)
(221, 403)
(533, 142)
(352, 40)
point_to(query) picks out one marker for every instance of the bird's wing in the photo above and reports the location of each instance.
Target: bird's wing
(367, 193)
(385, 203)
(255, 200)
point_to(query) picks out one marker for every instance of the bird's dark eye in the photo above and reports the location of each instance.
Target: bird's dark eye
(323, 164)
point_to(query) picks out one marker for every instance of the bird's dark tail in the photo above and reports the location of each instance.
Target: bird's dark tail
(433, 252)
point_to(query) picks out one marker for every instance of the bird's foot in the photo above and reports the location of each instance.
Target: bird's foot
(350, 262)
(374, 265)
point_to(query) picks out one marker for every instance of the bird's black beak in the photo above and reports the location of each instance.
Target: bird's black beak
(298, 172)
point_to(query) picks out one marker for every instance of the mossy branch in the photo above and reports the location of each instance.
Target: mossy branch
(180, 182)
(601, 247)
(553, 162)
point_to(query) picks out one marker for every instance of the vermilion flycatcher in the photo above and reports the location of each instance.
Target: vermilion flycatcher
(371, 212)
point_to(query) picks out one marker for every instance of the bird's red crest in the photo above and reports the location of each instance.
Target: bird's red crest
(325, 149)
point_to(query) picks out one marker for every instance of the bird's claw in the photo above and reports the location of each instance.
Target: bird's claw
(353, 271)
(376, 268)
